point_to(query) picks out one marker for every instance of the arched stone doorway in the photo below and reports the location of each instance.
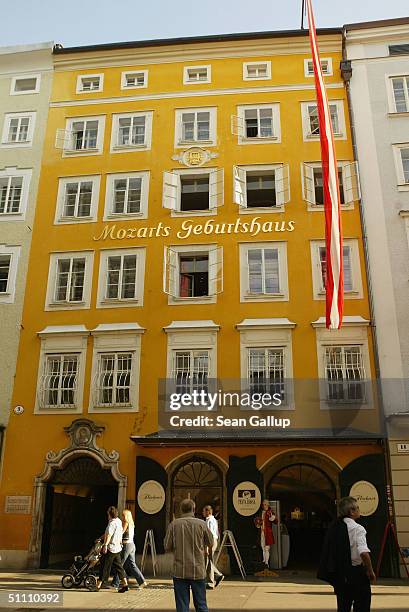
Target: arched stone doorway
(199, 478)
(306, 484)
(78, 481)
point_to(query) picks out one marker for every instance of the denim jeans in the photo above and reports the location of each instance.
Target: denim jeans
(182, 588)
(129, 564)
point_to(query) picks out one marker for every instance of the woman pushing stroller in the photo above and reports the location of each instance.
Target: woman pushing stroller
(111, 552)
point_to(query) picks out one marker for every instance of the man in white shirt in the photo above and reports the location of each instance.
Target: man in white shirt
(346, 562)
(111, 551)
(214, 577)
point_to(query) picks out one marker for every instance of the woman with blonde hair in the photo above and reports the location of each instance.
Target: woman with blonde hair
(128, 551)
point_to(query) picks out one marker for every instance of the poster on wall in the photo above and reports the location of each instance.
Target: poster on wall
(366, 495)
(151, 497)
(246, 498)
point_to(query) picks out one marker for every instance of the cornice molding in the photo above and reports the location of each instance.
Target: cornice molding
(194, 94)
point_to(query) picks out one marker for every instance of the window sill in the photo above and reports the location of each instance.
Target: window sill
(112, 408)
(259, 138)
(260, 210)
(263, 78)
(67, 305)
(22, 143)
(317, 136)
(129, 147)
(88, 91)
(194, 213)
(119, 216)
(80, 151)
(403, 186)
(68, 220)
(195, 143)
(398, 114)
(197, 82)
(114, 302)
(320, 207)
(264, 296)
(54, 410)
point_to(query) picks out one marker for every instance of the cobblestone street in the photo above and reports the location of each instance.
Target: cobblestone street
(283, 594)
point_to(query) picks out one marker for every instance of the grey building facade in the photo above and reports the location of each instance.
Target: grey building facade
(379, 90)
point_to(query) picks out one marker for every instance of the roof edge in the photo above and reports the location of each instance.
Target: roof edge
(381, 23)
(159, 42)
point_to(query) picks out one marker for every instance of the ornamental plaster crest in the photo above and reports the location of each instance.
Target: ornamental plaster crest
(194, 157)
(83, 435)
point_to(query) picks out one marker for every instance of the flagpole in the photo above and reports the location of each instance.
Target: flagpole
(302, 14)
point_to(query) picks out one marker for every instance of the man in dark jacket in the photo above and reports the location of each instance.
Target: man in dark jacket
(345, 561)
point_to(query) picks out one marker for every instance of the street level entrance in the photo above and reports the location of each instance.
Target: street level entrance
(77, 498)
(307, 496)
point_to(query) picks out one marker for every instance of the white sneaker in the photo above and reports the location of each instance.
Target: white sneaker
(143, 585)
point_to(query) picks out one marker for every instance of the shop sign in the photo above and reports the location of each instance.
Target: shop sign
(366, 495)
(17, 504)
(403, 447)
(151, 497)
(246, 498)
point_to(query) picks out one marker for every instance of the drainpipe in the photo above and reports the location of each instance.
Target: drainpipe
(346, 71)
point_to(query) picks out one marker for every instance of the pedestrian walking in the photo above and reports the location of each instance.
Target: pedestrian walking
(111, 551)
(213, 576)
(188, 538)
(128, 552)
(345, 560)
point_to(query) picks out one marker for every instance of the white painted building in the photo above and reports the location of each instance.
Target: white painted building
(25, 85)
(379, 89)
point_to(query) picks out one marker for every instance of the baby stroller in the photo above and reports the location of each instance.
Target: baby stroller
(82, 569)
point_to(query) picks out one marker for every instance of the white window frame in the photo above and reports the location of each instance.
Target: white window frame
(396, 148)
(117, 148)
(308, 63)
(63, 340)
(266, 63)
(239, 124)
(5, 143)
(105, 302)
(192, 336)
(50, 303)
(187, 81)
(64, 137)
(21, 77)
(341, 135)
(172, 191)
(11, 172)
(116, 338)
(132, 72)
(8, 296)
(59, 212)
(183, 144)
(245, 294)
(240, 187)
(357, 288)
(109, 215)
(82, 77)
(172, 258)
(346, 176)
(391, 94)
(265, 333)
(350, 334)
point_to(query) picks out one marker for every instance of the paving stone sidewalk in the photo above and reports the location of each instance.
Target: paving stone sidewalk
(284, 594)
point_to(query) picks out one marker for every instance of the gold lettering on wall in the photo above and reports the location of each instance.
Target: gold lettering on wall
(252, 227)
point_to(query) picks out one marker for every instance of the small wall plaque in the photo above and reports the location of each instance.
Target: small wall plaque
(17, 504)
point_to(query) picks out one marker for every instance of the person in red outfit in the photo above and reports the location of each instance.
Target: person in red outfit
(264, 523)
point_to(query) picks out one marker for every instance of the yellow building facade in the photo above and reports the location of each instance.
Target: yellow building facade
(179, 235)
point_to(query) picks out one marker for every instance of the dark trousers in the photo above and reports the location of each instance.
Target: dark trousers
(182, 588)
(356, 591)
(111, 561)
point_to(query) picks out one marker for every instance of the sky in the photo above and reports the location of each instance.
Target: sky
(84, 22)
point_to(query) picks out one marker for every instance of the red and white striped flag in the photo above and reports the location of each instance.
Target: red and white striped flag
(333, 230)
